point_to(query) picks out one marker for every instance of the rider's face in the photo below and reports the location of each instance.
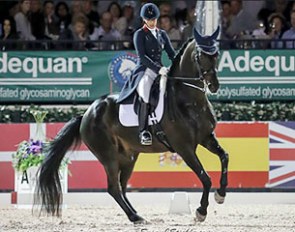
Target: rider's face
(151, 23)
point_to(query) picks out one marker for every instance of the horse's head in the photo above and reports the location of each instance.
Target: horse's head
(206, 54)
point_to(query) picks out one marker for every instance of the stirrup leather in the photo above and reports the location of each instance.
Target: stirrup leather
(145, 138)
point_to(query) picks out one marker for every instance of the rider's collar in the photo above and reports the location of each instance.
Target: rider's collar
(146, 28)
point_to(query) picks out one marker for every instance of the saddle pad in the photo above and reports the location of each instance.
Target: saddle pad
(128, 118)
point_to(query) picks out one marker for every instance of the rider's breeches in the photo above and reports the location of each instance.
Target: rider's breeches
(145, 84)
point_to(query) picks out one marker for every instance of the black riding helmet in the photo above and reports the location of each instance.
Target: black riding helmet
(149, 11)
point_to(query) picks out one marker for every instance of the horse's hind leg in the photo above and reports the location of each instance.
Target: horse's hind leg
(112, 171)
(212, 145)
(125, 173)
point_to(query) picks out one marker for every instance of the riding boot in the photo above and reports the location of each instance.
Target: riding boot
(143, 114)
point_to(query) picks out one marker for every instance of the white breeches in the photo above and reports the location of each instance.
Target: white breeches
(145, 84)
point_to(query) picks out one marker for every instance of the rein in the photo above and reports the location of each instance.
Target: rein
(203, 90)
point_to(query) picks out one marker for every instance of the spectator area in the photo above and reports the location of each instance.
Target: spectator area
(109, 25)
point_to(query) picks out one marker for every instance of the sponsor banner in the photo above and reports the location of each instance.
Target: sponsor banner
(84, 76)
(256, 75)
(55, 76)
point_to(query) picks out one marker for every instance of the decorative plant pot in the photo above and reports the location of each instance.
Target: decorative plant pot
(25, 182)
(29, 157)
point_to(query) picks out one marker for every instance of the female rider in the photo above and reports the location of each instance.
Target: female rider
(149, 41)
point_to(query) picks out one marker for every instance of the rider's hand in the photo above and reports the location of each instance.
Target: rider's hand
(163, 71)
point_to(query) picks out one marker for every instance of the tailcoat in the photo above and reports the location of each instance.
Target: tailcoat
(149, 50)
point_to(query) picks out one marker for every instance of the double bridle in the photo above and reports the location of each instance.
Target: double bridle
(201, 72)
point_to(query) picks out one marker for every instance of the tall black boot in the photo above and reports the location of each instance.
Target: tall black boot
(144, 135)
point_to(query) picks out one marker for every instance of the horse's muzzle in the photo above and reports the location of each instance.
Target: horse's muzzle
(213, 87)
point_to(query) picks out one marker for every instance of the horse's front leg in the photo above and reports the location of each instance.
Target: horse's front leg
(194, 163)
(212, 145)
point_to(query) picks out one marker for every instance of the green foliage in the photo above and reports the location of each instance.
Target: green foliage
(31, 154)
(18, 114)
(252, 111)
(28, 154)
(233, 111)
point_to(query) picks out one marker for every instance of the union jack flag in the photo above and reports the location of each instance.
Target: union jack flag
(282, 155)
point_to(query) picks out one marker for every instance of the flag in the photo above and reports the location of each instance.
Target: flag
(282, 155)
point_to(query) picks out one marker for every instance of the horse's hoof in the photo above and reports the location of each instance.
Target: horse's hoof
(218, 198)
(137, 220)
(200, 217)
(141, 222)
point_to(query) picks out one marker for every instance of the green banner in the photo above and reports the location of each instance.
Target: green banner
(54, 76)
(83, 76)
(256, 75)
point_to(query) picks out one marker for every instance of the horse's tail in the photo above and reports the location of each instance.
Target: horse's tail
(48, 190)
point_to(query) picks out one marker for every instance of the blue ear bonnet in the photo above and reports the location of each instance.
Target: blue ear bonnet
(207, 44)
(149, 11)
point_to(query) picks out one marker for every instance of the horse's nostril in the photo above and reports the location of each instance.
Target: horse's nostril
(213, 88)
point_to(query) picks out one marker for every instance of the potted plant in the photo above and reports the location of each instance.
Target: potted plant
(30, 154)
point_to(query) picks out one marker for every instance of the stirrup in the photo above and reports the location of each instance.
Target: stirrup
(145, 138)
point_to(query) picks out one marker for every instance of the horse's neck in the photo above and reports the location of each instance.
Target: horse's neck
(187, 68)
(184, 97)
(187, 65)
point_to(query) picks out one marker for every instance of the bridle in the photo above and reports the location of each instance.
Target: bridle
(201, 70)
(202, 73)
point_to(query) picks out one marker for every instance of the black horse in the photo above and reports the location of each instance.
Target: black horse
(117, 147)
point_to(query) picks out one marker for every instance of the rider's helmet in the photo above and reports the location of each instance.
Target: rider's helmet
(149, 11)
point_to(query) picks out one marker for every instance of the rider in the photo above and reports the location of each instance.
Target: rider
(149, 41)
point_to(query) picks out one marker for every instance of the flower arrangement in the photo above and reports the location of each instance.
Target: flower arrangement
(31, 153)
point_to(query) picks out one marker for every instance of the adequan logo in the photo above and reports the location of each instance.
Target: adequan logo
(121, 67)
(41, 65)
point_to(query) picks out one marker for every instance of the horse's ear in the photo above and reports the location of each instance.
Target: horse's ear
(197, 35)
(215, 33)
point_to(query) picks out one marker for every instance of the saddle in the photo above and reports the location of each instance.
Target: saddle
(156, 111)
(129, 107)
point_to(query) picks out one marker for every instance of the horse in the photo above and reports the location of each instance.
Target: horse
(192, 73)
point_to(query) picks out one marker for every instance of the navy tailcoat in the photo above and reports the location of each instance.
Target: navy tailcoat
(149, 51)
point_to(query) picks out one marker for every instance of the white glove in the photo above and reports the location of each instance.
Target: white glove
(163, 71)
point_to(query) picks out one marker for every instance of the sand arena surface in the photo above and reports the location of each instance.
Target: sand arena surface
(221, 218)
(241, 212)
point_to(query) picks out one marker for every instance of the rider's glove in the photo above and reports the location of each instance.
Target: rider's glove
(163, 71)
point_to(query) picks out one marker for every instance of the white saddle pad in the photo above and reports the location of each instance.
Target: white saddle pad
(128, 118)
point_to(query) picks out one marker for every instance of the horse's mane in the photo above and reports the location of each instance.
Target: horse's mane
(179, 54)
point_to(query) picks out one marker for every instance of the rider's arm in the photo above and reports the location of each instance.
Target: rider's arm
(140, 49)
(168, 46)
